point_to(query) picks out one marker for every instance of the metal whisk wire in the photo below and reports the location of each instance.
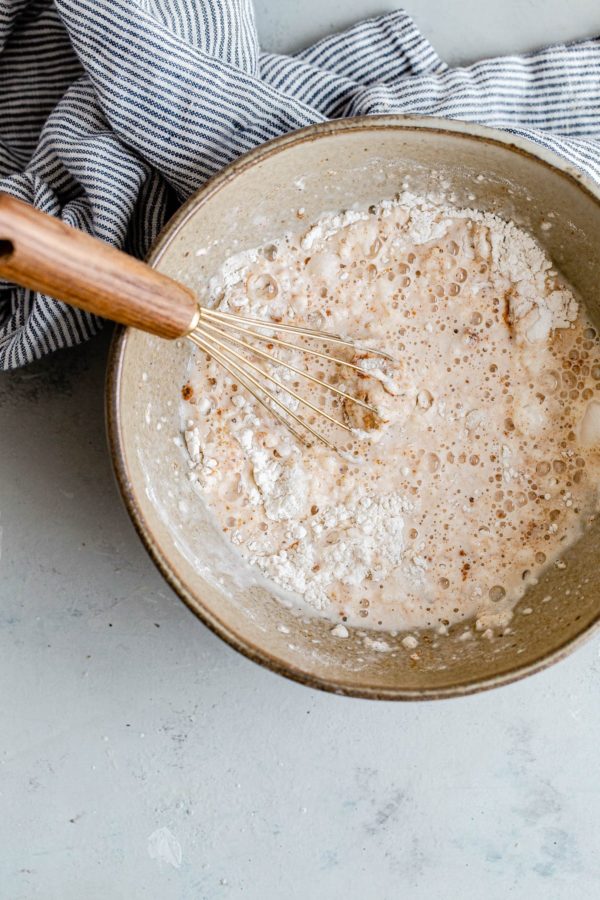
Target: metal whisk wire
(213, 334)
(41, 253)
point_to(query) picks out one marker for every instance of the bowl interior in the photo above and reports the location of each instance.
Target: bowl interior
(328, 168)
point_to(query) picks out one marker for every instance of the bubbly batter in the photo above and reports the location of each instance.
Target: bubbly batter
(482, 462)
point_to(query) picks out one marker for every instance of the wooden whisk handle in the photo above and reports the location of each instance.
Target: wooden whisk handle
(40, 252)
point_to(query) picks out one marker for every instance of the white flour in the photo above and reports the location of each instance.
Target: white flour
(368, 543)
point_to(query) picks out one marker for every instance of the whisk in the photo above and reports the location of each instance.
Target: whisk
(40, 252)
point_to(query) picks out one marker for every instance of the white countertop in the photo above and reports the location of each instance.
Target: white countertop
(140, 757)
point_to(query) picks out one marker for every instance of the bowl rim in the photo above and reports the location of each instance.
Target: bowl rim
(469, 131)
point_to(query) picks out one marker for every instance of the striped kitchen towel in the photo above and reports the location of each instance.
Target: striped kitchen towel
(113, 111)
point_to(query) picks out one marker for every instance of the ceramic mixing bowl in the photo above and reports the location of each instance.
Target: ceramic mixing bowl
(323, 168)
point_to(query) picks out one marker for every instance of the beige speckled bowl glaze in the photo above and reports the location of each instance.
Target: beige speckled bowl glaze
(330, 167)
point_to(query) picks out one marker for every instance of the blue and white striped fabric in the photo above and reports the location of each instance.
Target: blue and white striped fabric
(113, 111)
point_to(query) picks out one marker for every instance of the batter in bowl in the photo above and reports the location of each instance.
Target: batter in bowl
(482, 464)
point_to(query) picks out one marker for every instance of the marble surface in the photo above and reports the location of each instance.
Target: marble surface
(142, 758)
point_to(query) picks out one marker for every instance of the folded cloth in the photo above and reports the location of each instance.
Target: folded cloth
(113, 111)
